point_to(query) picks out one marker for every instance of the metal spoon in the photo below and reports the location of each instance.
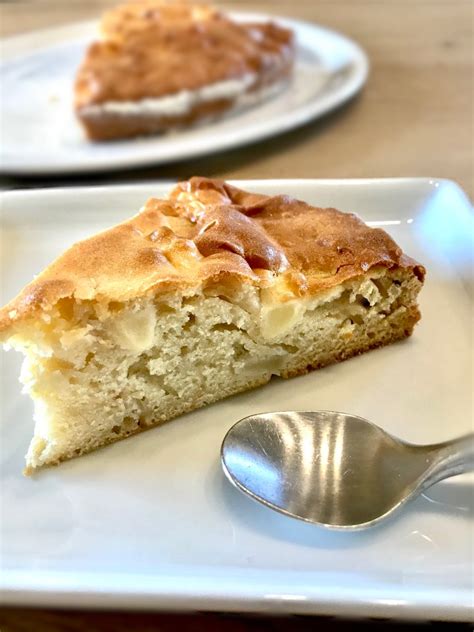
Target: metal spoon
(334, 469)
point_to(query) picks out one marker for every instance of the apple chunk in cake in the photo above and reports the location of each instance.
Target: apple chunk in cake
(204, 294)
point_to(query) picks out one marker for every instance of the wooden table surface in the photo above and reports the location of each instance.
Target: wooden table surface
(414, 118)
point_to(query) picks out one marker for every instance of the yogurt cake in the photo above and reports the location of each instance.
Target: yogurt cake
(160, 66)
(204, 294)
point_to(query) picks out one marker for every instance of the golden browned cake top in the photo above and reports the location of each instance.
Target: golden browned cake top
(136, 16)
(151, 49)
(209, 232)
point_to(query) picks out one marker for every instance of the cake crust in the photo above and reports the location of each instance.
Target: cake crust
(205, 232)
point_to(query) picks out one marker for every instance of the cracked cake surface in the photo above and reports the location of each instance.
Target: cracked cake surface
(208, 230)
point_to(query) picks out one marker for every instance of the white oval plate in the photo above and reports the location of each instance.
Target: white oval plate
(40, 134)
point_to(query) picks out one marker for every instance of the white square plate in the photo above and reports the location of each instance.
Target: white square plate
(152, 522)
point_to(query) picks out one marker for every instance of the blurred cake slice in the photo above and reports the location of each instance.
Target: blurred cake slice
(204, 294)
(159, 66)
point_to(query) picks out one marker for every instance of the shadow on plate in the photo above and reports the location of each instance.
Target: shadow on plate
(452, 499)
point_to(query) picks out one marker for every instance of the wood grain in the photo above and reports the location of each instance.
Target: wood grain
(22, 620)
(414, 118)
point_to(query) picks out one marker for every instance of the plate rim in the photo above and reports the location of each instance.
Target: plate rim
(431, 181)
(86, 590)
(285, 122)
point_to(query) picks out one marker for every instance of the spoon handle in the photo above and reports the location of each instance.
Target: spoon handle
(450, 459)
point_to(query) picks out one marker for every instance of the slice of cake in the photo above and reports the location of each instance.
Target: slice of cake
(159, 66)
(201, 295)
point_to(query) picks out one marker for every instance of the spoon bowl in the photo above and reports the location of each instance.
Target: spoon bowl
(334, 469)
